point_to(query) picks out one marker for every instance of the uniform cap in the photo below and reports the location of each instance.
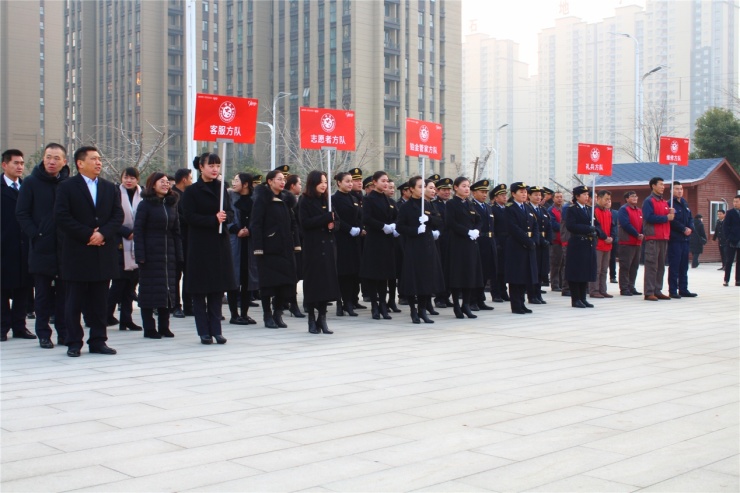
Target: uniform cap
(284, 169)
(546, 190)
(480, 185)
(404, 186)
(534, 188)
(257, 180)
(517, 185)
(367, 181)
(356, 173)
(444, 183)
(579, 190)
(497, 190)
(435, 177)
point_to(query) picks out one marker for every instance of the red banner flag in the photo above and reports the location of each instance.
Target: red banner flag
(595, 158)
(225, 117)
(423, 139)
(322, 127)
(674, 151)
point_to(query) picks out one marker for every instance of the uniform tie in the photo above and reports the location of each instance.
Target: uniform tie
(14, 186)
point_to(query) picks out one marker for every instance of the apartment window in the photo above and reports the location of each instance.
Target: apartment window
(321, 12)
(204, 84)
(346, 32)
(421, 18)
(204, 45)
(215, 8)
(333, 37)
(421, 43)
(333, 11)
(421, 68)
(204, 64)
(205, 6)
(205, 26)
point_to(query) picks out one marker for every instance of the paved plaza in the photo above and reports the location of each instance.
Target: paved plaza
(629, 396)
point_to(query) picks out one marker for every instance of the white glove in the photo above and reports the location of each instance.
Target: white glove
(435, 234)
(388, 228)
(354, 231)
(473, 234)
(396, 234)
(423, 219)
(421, 229)
(393, 225)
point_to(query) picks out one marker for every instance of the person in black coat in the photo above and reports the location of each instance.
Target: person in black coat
(88, 215)
(444, 192)
(697, 241)
(347, 232)
(15, 280)
(274, 238)
(521, 262)
(465, 271)
(486, 243)
(542, 249)
(437, 226)
(158, 250)
(318, 223)
(497, 195)
(421, 272)
(122, 290)
(580, 264)
(209, 270)
(731, 234)
(35, 213)
(183, 179)
(241, 204)
(378, 264)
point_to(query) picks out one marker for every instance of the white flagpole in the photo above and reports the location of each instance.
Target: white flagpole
(328, 177)
(223, 180)
(423, 162)
(673, 177)
(593, 200)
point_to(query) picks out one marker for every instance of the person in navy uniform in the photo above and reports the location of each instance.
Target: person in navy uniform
(465, 272)
(580, 263)
(678, 246)
(444, 192)
(497, 196)
(486, 243)
(521, 261)
(357, 187)
(542, 251)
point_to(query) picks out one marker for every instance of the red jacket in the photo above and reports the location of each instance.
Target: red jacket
(655, 214)
(630, 225)
(604, 216)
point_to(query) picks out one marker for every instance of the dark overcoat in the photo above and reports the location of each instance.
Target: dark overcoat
(320, 281)
(76, 218)
(421, 271)
(464, 267)
(158, 249)
(349, 248)
(209, 267)
(378, 254)
(544, 238)
(580, 259)
(272, 229)
(35, 213)
(13, 242)
(487, 240)
(520, 249)
(698, 238)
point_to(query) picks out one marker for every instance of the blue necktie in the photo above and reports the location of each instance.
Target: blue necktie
(14, 186)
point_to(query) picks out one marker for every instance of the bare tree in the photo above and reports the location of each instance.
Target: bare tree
(137, 149)
(655, 123)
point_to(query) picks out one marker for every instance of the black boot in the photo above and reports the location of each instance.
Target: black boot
(321, 321)
(414, 313)
(374, 310)
(456, 306)
(150, 330)
(340, 308)
(383, 308)
(164, 324)
(423, 313)
(466, 305)
(350, 309)
(392, 306)
(295, 311)
(277, 316)
(430, 306)
(312, 327)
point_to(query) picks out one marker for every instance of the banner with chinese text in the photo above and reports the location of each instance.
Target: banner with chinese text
(674, 151)
(225, 117)
(321, 127)
(595, 158)
(423, 139)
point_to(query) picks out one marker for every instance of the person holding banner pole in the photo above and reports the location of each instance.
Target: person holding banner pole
(349, 247)
(580, 264)
(320, 280)
(378, 256)
(209, 271)
(421, 273)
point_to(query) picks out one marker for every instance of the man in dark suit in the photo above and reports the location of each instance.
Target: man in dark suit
(88, 214)
(486, 243)
(731, 230)
(14, 245)
(521, 261)
(500, 232)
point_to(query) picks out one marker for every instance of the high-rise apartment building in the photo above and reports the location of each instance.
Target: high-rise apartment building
(121, 79)
(31, 106)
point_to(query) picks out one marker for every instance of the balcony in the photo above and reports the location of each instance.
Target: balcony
(391, 126)
(392, 100)
(392, 22)
(392, 74)
(392, 48)
(391, 152)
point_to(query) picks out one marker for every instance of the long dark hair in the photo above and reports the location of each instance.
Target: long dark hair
(313, 180)
(247, 179)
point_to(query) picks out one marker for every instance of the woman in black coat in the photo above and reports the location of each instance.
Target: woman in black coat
(158, 249)
(520, 268)
(580, 260)
(320, 282)
(378, 255)
(697, 240)
(465, 271)
(421, 273)
(273, 235)
(241, 205)
(347, 231)
(210, 270)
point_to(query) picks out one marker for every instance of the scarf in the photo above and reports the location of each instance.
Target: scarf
(129, 214)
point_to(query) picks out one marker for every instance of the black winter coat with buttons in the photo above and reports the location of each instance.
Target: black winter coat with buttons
(320, 281)
(158, 249)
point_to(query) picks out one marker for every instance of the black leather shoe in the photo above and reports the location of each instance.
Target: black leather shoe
(636, 292)
(220, 339)
(270, 322)
(431, 310)
(178, 313)
(440, 304)
(238, 321)
(474, 307)
(542, 302)
(482, 306)
(294, 312)
(526, 310)
(675, 296)
(206, 340)
(278, 318)
(103, 349)
(112, 321)
(166, 332)
(73, 353)
(130, 326)
(565, 292)
(347, 307)
(23, 334)
(393, 307)
(626, 293)
(468, 312)
(498, 300)
(505, 297)
(46, 344)
(4, 337)
(535, 301)
(688, 294)
(577, 304)
(587, 304)
(518, 312)
(359, 306)
(249, 320)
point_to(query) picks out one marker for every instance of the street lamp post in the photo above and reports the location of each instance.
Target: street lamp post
(495, 174)
(638, 97)
(274, 126)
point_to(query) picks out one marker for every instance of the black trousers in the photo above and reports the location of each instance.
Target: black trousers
(207, 313)
(732, 255)
(347, 287)
(93, 296)
(50, 299)
(13, 316)
(498, 285)
(121, 293)
(516, 295)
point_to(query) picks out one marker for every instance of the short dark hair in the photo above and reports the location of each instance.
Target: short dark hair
(601, 193)
(677, 183)
(8, 155)
(378, 175)
(629, 194)
(412, 181)
(737, 196)
(292, 180)
(130, 171)
(271, 175)
(209, 158)
(654, 180)
(459, 180)
(54, 145)
(181, 174)
(721, 210)
(246, 179)
(340, 176)
(81, 152)
(313, 180)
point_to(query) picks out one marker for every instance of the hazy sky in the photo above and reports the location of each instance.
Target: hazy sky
(521, 20)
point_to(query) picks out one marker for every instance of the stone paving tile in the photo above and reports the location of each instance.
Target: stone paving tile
(560, 401)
